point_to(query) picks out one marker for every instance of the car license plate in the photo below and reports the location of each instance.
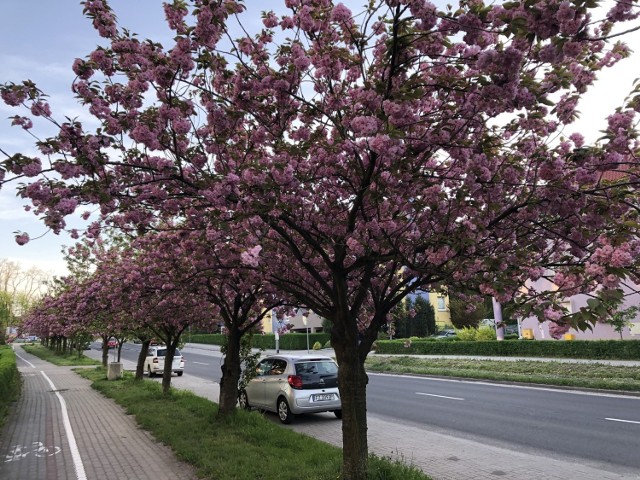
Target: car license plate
(323, 397)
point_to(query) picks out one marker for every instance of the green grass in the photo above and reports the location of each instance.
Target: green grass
(245, 446)
(49, 355)
(592, 375)
(10, 383)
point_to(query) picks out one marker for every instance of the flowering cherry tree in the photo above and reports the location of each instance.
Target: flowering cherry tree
(221, 278)
(365, 156)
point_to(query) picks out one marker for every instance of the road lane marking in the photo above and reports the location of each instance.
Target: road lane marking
(622, 421)
(73, 446)
(506, 385)
(200, 363)
(439, 396)
(25, 360)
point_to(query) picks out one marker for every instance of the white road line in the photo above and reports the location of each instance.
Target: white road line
(200, 363)
(73, 446)
(439, 396)
(506, 385)
(25, 360)
(623, 421)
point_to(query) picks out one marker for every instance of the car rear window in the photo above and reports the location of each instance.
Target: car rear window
(317, 373)
(162, 352)
(316, 367)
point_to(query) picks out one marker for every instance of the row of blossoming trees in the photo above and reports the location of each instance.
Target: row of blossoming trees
(338, 162)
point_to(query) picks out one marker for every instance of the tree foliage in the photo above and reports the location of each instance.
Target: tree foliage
(343, 164)
(621, 319)
(414, 318)
(467, 311)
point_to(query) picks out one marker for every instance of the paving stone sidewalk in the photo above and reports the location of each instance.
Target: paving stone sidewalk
(90, 437)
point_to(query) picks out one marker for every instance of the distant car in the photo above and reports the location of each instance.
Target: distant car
(511, 329)
(446, 334)
(112, 343)
(154, 363)
(293, 384)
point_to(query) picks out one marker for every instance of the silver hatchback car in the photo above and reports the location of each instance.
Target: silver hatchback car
(294, 384)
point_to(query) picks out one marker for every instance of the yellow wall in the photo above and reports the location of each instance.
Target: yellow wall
(443, 316)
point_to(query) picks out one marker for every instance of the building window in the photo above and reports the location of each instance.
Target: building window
(441, 305)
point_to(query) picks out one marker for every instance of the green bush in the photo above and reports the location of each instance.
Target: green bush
(327, 344)
(592, 349)
(317, 346)
(9, 380)
(288, 341)
(467, 334)
(485, 333)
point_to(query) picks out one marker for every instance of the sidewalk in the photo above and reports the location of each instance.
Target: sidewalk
(62, 429)
(110, 444)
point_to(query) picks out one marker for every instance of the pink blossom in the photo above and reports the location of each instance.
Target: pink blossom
(557, 330)
(340, 13)
(270, 19)
(22, 239)
(13, 95)
(364, 125)
(181, 125)
(24, 122)
(41, 109)
(251, 257)
(33, 168)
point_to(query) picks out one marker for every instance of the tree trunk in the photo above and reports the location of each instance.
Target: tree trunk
(352, 382)
(172, 344)
(142, 356)
(230, 374)
(105, 351)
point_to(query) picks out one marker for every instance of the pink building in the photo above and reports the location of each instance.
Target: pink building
(600, 331)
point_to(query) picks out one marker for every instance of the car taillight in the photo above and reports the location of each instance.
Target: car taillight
(295, 381)
(181, 359)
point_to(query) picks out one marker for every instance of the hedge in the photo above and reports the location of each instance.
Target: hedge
(288, 341)
(9, 380)
(589, 349)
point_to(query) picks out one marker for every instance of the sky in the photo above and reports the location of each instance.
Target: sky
(39, 40)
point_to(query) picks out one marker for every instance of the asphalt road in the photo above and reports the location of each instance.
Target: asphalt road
(550, 422)
(205, 365)
(553, 422)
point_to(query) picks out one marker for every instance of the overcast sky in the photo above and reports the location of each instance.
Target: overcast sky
(39, 40)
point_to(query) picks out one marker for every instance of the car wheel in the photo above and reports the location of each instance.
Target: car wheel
(284, 412)
(151, 374)
(179, 373)
(338, 413)
(243, 400)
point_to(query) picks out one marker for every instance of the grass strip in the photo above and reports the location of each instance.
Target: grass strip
(66, 360)
(585, 375)
(244, 446)
(10, 382)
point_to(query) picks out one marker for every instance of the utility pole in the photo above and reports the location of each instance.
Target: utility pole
(497, 318)
(305, 320)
